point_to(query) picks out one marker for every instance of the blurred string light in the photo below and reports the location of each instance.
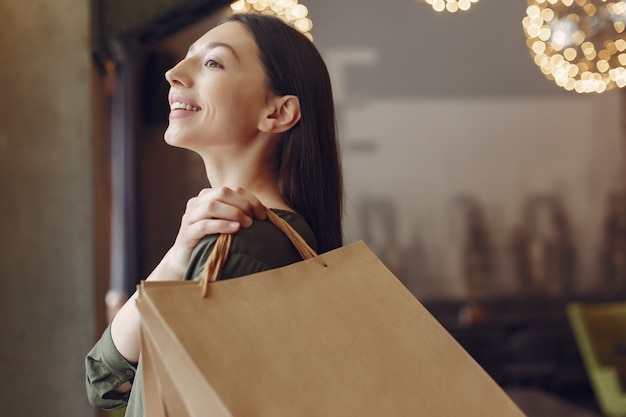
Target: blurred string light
(580, 44)
(451, 6)
(289, 10)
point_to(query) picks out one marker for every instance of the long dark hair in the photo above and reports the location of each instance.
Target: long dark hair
(309, 169)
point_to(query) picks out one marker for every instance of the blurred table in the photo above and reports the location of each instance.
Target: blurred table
(538, 403)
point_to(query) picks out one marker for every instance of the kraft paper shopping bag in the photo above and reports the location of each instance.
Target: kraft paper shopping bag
(334, 335)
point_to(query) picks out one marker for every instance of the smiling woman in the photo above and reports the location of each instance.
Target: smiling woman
(253, 98)
(223, 77)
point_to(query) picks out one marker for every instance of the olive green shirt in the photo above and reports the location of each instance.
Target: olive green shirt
(257, 248)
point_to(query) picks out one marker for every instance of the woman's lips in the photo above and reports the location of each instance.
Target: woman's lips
(181, 106)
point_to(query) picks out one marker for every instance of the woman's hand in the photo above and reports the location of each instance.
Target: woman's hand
(213, 210)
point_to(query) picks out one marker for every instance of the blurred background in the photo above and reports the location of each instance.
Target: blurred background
(495, 195)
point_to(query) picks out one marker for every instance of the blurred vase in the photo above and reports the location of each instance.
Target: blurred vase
(543, 249)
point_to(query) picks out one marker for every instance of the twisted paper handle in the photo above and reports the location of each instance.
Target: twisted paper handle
(217, 258)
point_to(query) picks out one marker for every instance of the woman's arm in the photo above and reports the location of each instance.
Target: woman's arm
(220, 210)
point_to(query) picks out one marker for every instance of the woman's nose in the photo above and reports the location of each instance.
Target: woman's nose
(178, 76)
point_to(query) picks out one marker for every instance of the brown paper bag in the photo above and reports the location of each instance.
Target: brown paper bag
(335, 335)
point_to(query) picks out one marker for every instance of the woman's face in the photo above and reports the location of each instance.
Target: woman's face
(218, 91)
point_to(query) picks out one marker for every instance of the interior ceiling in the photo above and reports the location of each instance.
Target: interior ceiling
(121, 27)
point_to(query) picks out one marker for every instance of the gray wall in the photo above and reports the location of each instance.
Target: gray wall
(435, 108)
(46, 222)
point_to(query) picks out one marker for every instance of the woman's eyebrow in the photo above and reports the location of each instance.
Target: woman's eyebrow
(213, 45)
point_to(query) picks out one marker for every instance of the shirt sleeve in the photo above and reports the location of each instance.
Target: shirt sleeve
(237, 263)
(198, 258)
(106, 369)
(257, 248)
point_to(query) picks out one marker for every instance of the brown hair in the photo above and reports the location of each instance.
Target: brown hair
(309, 169)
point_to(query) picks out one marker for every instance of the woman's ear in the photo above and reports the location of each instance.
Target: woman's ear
(282, 114)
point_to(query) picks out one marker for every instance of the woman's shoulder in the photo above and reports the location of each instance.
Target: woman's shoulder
(296, 221)
(257, 248)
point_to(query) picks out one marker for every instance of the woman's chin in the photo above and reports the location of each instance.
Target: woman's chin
(173, 138)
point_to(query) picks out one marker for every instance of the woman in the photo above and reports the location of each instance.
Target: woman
(253, 99)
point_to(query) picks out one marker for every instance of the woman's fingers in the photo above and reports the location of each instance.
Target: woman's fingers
(218, 210)
(213, 211)
(213, 226)
(234, 204)
(242, 199)
(199, 209)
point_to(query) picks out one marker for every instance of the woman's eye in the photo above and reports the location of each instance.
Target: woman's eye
(211, 63)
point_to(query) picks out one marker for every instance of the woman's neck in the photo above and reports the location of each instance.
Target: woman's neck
(256, 178)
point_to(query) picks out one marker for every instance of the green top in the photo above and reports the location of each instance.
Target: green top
(257, 248)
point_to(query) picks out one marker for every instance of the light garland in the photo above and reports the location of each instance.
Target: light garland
(289, 10)
(451, 6)
(580, 44)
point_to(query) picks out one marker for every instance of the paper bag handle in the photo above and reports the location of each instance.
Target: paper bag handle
(217, 258)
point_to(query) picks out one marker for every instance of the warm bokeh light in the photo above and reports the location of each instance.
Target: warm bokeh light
(580, 44)
(451, 6)
(288, 10)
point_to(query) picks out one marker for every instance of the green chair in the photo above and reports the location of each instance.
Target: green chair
(117, 413)
(600, 333)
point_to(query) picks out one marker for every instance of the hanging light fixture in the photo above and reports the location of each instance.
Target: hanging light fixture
(580, 44)
(289, 10)
(451, 6)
